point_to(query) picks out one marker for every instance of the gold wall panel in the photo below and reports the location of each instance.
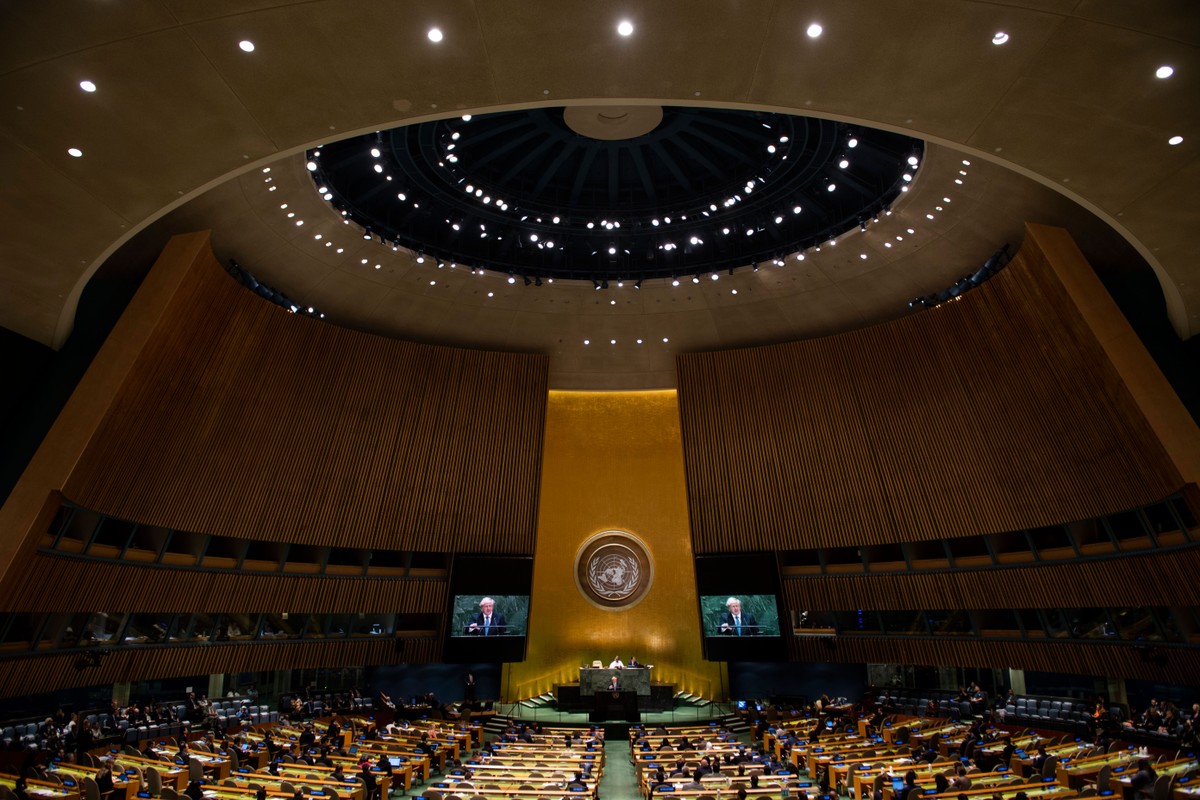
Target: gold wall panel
(613, 461)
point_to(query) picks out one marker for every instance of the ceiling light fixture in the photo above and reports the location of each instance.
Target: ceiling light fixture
(1000, 38)
(435, 35)
(814, 30)
(88, 86)
(625, 28)
(76, 152)
(1174, 140)
(246, 45)
(1164, 71)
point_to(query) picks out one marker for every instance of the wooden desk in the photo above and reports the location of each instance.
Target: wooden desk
(43, 790)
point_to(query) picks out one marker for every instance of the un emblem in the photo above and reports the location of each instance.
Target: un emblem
(613, 569)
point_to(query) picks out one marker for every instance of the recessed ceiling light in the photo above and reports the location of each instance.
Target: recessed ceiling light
(1000, 38)
(88, 86)
(843, 163)
(435, 35)
(1164, 71)
(1175, 140)
(246, 45)
(77, 153)
(625, 28)
(814, 30)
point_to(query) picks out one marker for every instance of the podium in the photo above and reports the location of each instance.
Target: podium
(592, 680)
(619, 705)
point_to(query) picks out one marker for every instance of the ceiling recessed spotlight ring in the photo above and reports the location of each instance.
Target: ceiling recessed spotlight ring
(1000, 37)
(246, 45)
(814, 30)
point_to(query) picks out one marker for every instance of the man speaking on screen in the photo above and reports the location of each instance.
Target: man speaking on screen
(487, 622)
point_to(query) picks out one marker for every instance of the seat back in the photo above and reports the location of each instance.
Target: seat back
(154, 781)
(1103, 778)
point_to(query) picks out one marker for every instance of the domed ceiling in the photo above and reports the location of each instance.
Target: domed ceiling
(613, 192)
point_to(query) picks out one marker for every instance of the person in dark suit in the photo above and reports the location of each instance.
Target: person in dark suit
(487, 622)
(735, 622)
(613, 684)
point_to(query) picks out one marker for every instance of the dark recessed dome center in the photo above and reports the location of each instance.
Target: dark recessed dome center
(598, 192)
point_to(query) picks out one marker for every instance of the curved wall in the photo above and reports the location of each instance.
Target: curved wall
(998, 411)
(243, 419)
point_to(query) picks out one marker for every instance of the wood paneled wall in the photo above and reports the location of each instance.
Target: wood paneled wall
(1151, 579)
(37, 674)
(243, 419)
(75, 583)
(1153, 663)
(996, 412)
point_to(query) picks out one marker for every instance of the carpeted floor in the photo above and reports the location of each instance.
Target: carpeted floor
(619, 781)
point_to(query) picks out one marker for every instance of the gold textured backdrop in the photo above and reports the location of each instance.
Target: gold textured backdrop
(613, 461)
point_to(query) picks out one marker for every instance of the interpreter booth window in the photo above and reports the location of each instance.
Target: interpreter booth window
(953, 622)
(814, 623)
(64, 630)
(104, 628)
(19, 631)
(1138, 624)
(366, 625)
(904, 623)
(203, 628)
(858, 621)
(148, 628)
(282, 626)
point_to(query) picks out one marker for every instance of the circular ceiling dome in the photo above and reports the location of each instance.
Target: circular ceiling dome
(614, 192)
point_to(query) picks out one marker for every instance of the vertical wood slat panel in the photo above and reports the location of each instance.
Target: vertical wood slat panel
(243, 419)
(1060, 585)
(39, 588)
(27, 676)
(996, 412)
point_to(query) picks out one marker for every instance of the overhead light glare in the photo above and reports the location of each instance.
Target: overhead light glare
(1164, 71)
(435, 35)
(1000, 38)
(246, 45)
(1174, 140)
(814, 30)
(87, 86)
(625, 28)
(75, 152)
